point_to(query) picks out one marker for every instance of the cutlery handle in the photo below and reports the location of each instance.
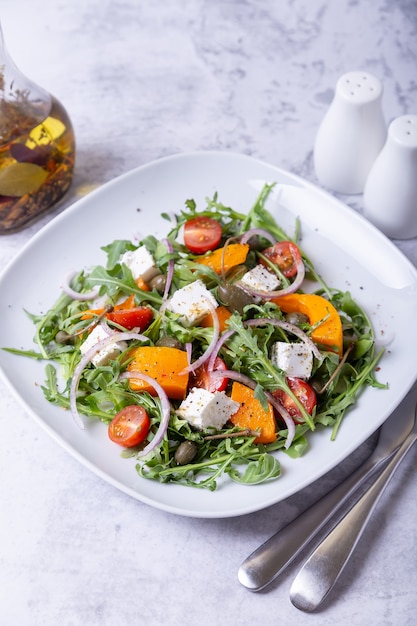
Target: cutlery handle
(321, 570)
(268, 561)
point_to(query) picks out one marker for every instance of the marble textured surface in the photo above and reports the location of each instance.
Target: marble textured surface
(142, 80)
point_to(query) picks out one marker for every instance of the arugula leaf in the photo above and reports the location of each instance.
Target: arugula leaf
(213, 462)
(259, 217)
(119, 281)
(115, 250)
(266, 467)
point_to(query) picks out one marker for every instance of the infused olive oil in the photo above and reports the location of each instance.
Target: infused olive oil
(37, 148)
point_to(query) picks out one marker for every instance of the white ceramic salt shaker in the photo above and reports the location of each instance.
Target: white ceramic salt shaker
(351, 135)
(390, 196)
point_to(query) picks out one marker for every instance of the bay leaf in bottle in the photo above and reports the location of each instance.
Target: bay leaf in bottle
(19, 179)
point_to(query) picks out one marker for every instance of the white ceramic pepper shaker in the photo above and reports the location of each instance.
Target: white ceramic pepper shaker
(351, 135)
(390, 196)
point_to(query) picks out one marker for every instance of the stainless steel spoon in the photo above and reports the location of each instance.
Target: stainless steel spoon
(271, 558)
(322, 569)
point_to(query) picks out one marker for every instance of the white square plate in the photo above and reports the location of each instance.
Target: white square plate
(349, 252)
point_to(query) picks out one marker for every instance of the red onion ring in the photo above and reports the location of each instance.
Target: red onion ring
(249, 382)
(220, 342)
(109, 331)
(291, 328)
(188, 349)
(289, 422)
(76, 295)
(165, 406)
(86, 358)
(207, 353)
(257, 231)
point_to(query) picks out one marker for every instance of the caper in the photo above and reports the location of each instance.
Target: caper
(185, 452)
(234, 297)
(316, 384)
(256, 243)
(296, 318)
(158, 283)
(169, 342)
(63, 337)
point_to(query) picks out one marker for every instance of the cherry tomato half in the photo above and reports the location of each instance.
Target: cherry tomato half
(138, 317)
(202, 234)
(304, 393)
(285, 255)
(130, 426)
(204, 379)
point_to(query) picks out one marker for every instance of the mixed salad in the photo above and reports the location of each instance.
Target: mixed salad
(208, 351)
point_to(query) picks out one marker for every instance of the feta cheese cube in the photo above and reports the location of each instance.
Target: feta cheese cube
(204, 409)
(190, 302)
(296, 359)
(260, 279)
(140, 262)
(106, 354)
